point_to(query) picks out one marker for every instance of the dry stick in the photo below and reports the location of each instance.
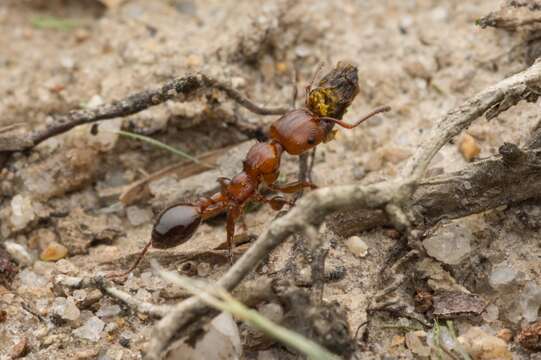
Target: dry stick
(186, 86)
(107, 287)
(312, 209)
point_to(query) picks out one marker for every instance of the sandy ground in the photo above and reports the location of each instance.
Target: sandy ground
(421, 57)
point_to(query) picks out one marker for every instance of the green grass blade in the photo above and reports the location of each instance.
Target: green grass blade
(161, 145)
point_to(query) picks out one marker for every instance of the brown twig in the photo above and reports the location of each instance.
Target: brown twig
(183, 87)
(311, 210)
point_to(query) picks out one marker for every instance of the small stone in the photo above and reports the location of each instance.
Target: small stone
(20, 349)
(491, 313)
(67, 62)
(22, 211)
(281, 67)
(505, 334)
(397, 340)
(65, 308)
(357, 246)
(238, 82)
(68, 281)
(137, 216)
(81, 35)
(530, 301)
(108, 311)
(501, 275)
(468, 147)
(91, 330)
(414, 343)
(193, 60)
(418, 69)
(359, 172)
(302, 51)
(54, 251)
(530, 337)
(94, 102)
(272, 311)
(18, 252)
(439, 14)
(482, 346)
(90, 299)
(31, 279)
(203, 269)
(64, 266)
(125, 338)
(110, 327)
(449, 244)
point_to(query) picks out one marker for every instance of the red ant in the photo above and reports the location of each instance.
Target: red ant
(296, 132)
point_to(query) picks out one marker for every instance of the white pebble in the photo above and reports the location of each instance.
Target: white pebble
(357, 246)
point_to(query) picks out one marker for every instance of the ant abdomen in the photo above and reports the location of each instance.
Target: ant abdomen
(175, 225)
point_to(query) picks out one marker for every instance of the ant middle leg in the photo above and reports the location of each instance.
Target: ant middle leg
(292, 187)
(276, 202)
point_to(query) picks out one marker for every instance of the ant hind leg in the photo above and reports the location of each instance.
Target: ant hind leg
(233, 213)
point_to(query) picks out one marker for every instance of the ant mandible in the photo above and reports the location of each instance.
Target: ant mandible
(296, 132)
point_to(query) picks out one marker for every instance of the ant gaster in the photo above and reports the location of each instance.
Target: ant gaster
(296, 132)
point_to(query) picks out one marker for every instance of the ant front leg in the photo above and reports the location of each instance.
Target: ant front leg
(233, 213)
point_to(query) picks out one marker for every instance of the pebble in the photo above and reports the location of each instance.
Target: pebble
(501, 275)
(449, 244)
(468, 147)
(414, 343)
(65, 308)
(20, 349)
(272, 311)
(22, 211)
(91, 330)
(54, 251)
(357, 246)
(108, 311)
(505, 334)
(32, 280)
(481, 345)
(530, 301)
(18, 252)
(491, 313)
(64, 266)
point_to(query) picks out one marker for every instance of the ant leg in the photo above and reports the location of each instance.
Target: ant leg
(366, 117)
(276, 202)
(311, 164)
(233, 212)
(224, 183)
(292, 187)
(308, 88)
(295, 79)
(139, 258)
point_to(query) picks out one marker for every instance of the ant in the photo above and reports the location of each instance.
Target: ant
(296, 132)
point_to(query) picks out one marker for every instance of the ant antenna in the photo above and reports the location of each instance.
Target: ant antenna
(364, 118)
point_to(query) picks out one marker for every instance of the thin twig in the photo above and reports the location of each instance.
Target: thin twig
(107, 287)
(185, 87)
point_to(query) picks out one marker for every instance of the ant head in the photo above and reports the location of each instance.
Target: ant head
(175, 225)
